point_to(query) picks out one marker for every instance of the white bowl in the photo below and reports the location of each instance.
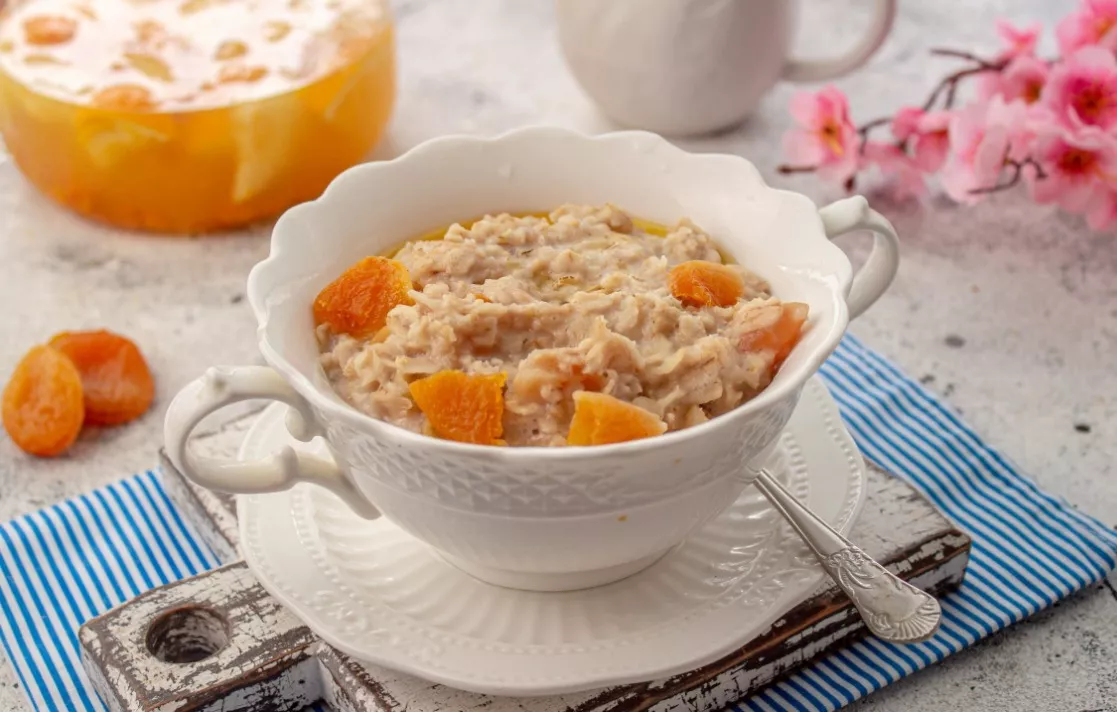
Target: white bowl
(540, 518)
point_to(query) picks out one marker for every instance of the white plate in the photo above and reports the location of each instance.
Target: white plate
(376, 593)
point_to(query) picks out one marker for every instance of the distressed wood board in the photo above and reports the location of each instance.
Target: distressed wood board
(218, 642)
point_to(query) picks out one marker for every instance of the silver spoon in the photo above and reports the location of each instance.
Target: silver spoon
(892, 608)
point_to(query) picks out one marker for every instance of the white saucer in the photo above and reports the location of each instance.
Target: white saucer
(376, 593)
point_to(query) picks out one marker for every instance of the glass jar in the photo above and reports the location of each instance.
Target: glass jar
(188, 116)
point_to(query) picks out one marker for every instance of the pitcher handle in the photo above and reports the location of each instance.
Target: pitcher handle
(220, 387)
(880, 269)
(798, 70)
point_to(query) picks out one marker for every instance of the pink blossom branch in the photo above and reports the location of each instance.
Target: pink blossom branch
(950, 83)
(864, 129)
(786, 169)
(968, 56)
(948, 86)
(1014, 179)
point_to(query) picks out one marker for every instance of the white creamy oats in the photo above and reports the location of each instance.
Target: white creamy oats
(579, 300)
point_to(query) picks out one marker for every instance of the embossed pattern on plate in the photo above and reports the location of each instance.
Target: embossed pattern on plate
(378, 594)
(395, 575)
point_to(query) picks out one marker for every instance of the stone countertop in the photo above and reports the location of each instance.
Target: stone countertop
(1007, 310)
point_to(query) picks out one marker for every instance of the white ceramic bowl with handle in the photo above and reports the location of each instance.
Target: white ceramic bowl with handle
(539, 518)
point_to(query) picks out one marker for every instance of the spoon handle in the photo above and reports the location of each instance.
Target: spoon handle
(892, 608)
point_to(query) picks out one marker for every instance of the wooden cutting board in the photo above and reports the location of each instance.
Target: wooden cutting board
(219, 642)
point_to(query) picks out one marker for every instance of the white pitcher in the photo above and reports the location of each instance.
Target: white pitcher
(684, 67)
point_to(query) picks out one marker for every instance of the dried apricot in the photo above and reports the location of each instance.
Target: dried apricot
(463, 407)
(589, 381)
(241, 73)
(124, 97)
(114, 375)
(357, 303)
(49, 29)
(231, 49)
(601, 419)
(42, 403)
(150, 66)
(276, 30)
(705, 284)
(780, 335)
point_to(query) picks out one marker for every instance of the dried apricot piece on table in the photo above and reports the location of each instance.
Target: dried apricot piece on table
(780, 335)
(42, 403)
(705, 284)
(357, 303)
(114, 375)
(463, 407)
(601, 419)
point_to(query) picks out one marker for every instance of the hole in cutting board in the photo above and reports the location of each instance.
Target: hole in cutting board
(187, 634)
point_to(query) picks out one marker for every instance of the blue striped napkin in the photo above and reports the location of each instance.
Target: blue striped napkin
(69, 562)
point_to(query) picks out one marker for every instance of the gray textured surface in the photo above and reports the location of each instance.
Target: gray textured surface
(1009, 307)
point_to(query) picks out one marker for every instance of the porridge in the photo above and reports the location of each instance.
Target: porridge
(581, 327)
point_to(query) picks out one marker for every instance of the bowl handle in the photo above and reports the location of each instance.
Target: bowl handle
(220, 387)
(878, 271)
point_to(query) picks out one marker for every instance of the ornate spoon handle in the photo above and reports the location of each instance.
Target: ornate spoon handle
(892, 608)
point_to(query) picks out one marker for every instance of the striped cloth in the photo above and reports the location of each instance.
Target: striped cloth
(1030, 549)
(69, 562)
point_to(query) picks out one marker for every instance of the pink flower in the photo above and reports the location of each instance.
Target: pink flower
(1023, 78)
(1077, 167)
(905, 123)
(1018, 41)
(1082, 89)
(927, 134)
(903, 171)
(1102, 211)
(1094, 24)
(982, 138)
(826, 137)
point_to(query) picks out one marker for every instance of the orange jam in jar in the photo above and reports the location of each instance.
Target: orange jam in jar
(187, 116)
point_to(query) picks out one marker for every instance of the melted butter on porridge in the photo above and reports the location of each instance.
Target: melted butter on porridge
(507, 319)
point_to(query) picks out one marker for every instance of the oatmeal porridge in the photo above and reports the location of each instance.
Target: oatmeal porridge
(581, 327)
